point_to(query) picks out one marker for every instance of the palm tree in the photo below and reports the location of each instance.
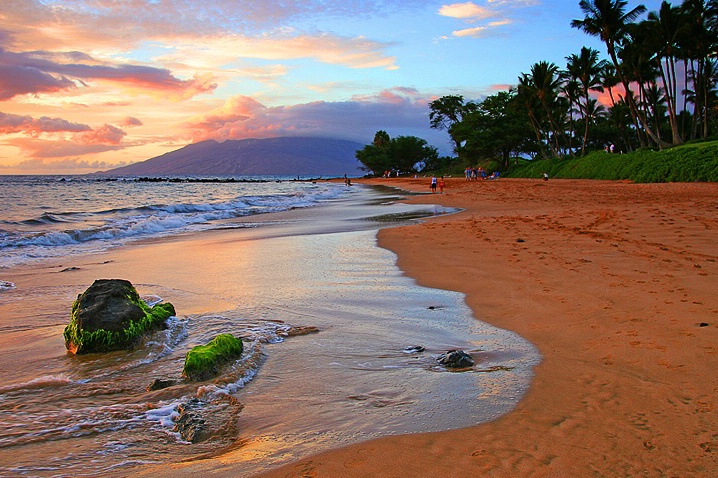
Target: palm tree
(666, 27)
(609, 80)
(608, 20)
(700, 43)
(543, 84)
(586, 69)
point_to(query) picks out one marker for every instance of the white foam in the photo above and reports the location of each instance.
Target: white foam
(5, 285)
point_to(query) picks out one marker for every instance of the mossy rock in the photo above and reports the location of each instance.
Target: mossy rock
(205, 361)
(110, 315)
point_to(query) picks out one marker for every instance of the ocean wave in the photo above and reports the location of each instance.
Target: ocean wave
(48, 236)
(46, 381)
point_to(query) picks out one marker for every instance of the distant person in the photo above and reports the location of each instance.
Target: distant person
(442, 185)
(433, 184)
(545, 176)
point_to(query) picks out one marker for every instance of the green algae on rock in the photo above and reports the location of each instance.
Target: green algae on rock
(205, 361)
(110, 315)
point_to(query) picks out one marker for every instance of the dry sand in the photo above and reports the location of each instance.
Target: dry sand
(614, 283)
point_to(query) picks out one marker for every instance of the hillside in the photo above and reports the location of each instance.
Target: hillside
(249, 157)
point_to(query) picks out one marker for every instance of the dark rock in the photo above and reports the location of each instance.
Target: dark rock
(455, 359)
(190, 424)
(414, 349)
(703, 324)
(110, 315)
(159, 384)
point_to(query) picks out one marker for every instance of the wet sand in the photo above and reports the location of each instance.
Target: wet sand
(615, 283)
(316, 267)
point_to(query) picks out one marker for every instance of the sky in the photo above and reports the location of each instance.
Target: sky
(88, 85)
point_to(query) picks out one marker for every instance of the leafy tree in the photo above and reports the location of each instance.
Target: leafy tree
(404, 153)
(446, 113)
(497, 129)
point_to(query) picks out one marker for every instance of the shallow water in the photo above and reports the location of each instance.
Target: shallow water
(288, 396)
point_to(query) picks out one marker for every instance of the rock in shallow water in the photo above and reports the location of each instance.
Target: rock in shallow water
(455, 359)
(205, 361)
(110, 315)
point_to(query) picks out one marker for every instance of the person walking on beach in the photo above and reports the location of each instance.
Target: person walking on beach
(442, 184)
(433, 184)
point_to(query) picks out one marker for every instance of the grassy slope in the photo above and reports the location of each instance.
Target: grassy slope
(693, 162)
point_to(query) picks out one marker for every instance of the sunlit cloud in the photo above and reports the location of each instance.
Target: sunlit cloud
(473, 14)
(10, 123)
(41, 148)
(33, 166)
(130, 122)
(43, 72)
(468, 10)
(400, 110)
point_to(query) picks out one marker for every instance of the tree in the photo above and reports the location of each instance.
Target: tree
(608, 20)
(585, 68)
(448, 111)
(539, 90)
(408, 154)
(498, 128)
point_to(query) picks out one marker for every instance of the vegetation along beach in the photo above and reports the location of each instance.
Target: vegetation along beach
(359, 239)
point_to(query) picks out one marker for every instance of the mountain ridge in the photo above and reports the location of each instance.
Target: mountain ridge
(286, 155)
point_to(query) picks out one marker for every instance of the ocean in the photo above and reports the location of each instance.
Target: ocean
(263, 259)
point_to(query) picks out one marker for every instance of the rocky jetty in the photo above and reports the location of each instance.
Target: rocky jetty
(110, 315)
(205, 361)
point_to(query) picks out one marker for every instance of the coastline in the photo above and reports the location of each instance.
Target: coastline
(615, 284)
(609, 280)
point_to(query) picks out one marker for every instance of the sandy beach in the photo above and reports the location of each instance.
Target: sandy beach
(615, 283)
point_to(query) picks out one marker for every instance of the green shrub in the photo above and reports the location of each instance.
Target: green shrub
(687, 163)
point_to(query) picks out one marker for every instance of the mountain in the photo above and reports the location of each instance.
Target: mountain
(249, 157)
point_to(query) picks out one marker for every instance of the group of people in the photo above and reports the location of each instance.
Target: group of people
(473, 174)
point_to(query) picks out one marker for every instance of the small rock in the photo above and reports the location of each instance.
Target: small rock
(190, 424)
(414, 349)
(455, 359)
(159, 384)
(520, 240)
(703, 324)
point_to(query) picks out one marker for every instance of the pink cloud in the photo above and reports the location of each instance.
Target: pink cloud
(46, 72)
(40, 148)
(71, 165)
(399, 111)
(105, 135)
(130, 122)
(10, 123)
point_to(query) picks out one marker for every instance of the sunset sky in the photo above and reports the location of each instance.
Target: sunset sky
(88, 85)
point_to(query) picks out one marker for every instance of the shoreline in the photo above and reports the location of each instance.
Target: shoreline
(614, 283)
